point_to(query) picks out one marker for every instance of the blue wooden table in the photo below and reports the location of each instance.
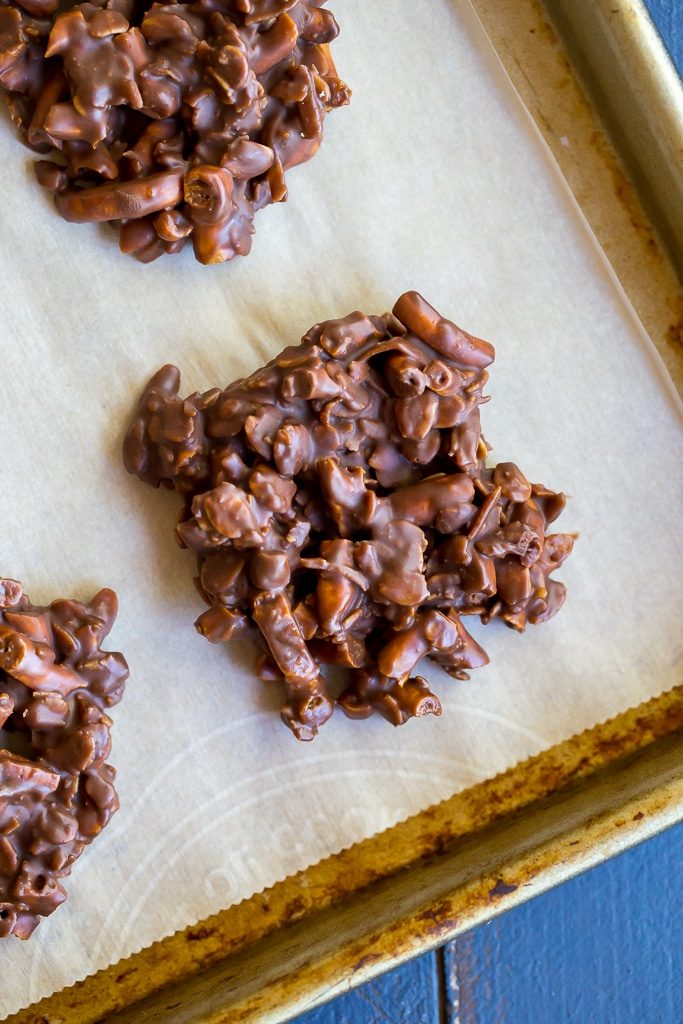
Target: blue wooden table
(605, 948)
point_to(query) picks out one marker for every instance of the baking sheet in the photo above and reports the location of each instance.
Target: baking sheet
(435, 178)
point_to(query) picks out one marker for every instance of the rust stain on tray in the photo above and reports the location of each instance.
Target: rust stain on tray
(295, 909)
(365, 961)
(198, 934)
(675, 332)
(501, 888)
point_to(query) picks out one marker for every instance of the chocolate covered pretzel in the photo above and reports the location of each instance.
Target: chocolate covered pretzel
(342, 512)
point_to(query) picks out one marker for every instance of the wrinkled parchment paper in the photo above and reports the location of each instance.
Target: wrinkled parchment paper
(433, 179)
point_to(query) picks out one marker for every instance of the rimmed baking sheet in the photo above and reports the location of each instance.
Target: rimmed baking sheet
(434, 178)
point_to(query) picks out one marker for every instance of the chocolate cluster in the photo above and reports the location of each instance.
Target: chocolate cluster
(173, 120)
(343, 514)
(56, 791)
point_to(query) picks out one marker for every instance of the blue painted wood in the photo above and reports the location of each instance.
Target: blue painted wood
(668, 17)
(605, 948)
(408, 995)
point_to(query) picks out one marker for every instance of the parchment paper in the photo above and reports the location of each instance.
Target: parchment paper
(435, 179)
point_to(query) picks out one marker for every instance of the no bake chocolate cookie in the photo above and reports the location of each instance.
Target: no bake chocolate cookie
(174, 121)
(56, 790)
(342, 511)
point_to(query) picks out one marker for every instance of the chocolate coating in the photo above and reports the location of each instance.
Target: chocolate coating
(173, 121)
(342, 512)
(56, 791)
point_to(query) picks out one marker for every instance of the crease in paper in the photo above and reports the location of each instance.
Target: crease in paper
(433, 179)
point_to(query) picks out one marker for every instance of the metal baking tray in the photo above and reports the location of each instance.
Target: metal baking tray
(497, 844)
